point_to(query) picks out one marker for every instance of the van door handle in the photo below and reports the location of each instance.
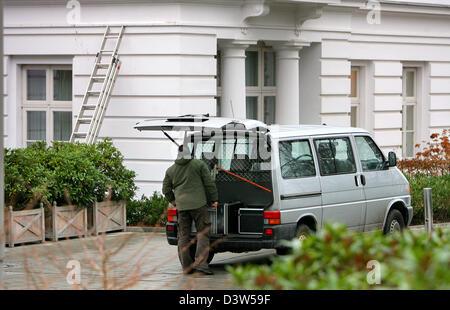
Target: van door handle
(363, 180)
(356, 180)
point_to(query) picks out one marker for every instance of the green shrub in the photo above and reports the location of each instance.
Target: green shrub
(147, 210)
(26, 175)
(337, 259)
(68, 173)
(440, 195)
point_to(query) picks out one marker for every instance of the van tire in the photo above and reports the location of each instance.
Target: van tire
(302, 230)
(394, 222)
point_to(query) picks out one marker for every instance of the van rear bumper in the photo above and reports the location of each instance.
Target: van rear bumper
(243, 243)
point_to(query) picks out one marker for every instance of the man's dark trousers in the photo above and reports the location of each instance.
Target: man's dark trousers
(203, 226)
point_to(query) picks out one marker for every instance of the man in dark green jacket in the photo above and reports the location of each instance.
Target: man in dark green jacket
(188, 185)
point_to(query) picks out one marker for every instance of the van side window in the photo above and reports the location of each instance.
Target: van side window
(371, 157)
(296, 159)
(335, 156)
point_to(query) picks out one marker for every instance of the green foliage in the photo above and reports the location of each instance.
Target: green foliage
(26, 174)
(440, 195)
(147, 211)
(337, 259)
(68, 173)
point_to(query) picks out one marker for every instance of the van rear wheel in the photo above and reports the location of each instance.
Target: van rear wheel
(301, 233)
(394, 222)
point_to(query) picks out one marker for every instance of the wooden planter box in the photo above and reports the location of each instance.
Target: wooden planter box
(24, 226)
(66, 222)
(109, 216)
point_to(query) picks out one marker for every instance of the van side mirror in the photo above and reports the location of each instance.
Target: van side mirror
(392, 159)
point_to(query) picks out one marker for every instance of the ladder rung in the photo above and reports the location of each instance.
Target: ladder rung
(88, 107)
(112, 36)
(98, 78)
(103, 66)
(106, 51)
(94, 92)
(84, 120)
(80, 134)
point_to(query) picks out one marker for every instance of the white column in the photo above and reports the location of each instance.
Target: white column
(287, 81)
(233, 78)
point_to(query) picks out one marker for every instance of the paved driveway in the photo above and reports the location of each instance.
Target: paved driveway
(118, 260)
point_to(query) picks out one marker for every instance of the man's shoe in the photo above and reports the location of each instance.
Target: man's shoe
(188, 271)
(207, 272)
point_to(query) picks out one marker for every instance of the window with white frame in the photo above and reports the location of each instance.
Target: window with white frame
(409, 94)
(260, 83)
(47, 104)
(355, 96)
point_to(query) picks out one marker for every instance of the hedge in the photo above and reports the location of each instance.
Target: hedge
(440, 196)
(147, 211)
(67, 173)
(335, 258)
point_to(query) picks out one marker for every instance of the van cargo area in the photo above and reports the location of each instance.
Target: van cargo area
(241, 166)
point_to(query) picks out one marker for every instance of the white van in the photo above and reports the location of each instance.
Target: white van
(283, 182)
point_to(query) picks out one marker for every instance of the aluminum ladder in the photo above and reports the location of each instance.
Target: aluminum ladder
(100, 85)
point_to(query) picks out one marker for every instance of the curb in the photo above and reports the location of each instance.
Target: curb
(146, 229)
(422, 227)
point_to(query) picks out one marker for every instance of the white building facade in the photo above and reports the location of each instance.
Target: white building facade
(380, 65)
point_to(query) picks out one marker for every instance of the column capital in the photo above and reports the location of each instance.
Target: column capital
(234, 48)
(289, 45)
(288, 50)
(232, 43)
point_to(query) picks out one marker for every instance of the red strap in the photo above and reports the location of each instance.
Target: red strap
(244, 179)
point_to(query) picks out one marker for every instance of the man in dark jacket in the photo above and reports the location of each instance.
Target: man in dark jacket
(188, 185)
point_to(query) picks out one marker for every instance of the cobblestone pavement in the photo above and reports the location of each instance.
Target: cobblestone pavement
(142, 261)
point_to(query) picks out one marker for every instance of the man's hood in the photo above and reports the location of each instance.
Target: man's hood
(182, 161)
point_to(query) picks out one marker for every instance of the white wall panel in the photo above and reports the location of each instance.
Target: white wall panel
(336, 49)
(154, 65)
(148, 171)
(335, 67)
(388, 137)
(387, 103)
(335, 119)
(147, 150)
(335, 104)
(439, 69)
(440, 119)
(388, 86)
(440, 102)
(154, 86)
(440, 85)
(147, 188)
(382, 68)
(142, 107)
(335, 86)
(387, 120)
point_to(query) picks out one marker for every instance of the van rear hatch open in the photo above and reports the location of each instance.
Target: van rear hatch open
(237, 153)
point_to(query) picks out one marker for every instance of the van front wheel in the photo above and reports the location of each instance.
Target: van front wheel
(394, 222)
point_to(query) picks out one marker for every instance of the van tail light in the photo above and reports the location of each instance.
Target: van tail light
(409, 189)
(172, 214)
(272, 217)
